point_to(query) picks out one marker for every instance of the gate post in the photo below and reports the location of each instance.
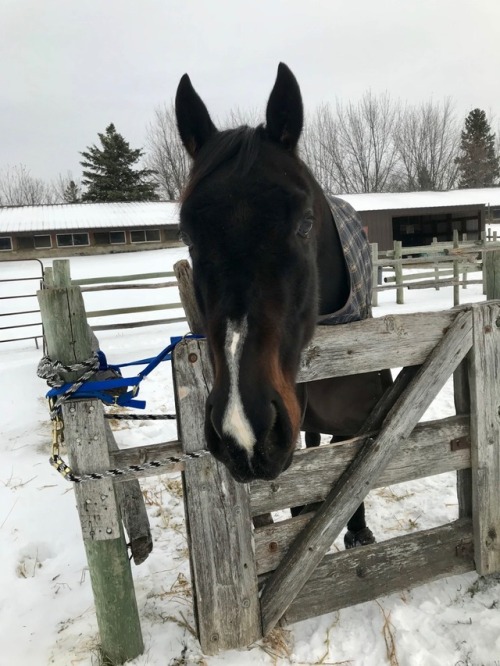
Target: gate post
(218, 519)
(485, 437)
(68, 341)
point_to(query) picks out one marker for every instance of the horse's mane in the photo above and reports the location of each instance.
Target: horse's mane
(240, 145)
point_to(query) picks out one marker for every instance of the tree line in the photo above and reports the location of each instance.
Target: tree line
(374, 145)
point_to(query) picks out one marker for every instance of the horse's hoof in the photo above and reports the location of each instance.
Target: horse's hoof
(363, 537)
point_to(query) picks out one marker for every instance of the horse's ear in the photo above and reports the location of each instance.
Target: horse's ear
(285, 114)
(193, 120)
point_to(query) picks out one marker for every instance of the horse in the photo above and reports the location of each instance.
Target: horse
(272, 257)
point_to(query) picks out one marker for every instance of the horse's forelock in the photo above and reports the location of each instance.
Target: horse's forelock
(240, 145)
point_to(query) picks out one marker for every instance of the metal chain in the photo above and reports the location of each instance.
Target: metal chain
(50, 370)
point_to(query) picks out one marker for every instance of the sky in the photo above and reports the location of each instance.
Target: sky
(70, 68)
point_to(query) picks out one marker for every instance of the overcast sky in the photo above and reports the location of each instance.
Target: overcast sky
(68, 68)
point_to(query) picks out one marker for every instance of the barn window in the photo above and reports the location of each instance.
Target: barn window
(42, 241)
(116, 237)
(109, 237)
(5, 243)
(25, 243)
(69, 240)
(145, 236)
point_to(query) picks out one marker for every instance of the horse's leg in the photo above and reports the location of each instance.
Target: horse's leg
(358, 533)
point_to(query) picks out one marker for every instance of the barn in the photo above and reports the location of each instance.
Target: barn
(415, 218)
(28, 232)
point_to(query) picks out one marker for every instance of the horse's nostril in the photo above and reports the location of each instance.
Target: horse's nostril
(274, 416)
(211, 417)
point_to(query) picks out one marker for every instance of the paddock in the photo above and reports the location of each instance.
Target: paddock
(231, 585)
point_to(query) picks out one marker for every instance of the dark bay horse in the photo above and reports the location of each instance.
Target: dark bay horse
(269, 261)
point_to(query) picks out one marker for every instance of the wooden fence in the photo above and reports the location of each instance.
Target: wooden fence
(139, 281)
(441, 264)
(136, 284)
(247, 579)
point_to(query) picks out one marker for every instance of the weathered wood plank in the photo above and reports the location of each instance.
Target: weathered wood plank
(84, 432)
(354, 576)
(137, 455)
(485, 437)
(138, 324)
(122, 278)
(273, 540)
(139, 308)
(427, 451)
(388, 399)
(184, 274)
(218, 518)
(308, 549)
(392, 341)
(130, 498)
(133, 510)
(68, 340)
(113, 287)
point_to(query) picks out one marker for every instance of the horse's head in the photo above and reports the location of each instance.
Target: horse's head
(248, 216)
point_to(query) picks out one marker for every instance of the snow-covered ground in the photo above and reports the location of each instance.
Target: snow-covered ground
(46, 607)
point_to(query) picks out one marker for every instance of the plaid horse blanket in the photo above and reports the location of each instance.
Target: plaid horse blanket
(358, 260)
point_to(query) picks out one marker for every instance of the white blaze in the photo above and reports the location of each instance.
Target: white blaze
(235, 422)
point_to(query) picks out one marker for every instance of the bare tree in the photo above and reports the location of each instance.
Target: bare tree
(67, 189)
(427, 140)
(19, 188)
(319, 148)
(368, 157)
(238, 116)
(353, 149)
(165, 153)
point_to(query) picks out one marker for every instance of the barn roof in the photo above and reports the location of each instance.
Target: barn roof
(14, 219)
(123, 215)
(489, 196)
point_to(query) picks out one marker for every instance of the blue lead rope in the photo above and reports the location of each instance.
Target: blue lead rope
(103, 390)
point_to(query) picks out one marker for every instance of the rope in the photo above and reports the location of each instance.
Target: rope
(141, 417)
(50, 370)
(130, 472)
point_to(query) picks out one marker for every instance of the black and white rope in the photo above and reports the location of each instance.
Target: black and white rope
(50, 370)
(129, 472)
(140, 417)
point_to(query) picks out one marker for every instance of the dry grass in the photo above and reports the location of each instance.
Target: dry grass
(389, 638)
(389, 494)
(277, 644)
(28, 566)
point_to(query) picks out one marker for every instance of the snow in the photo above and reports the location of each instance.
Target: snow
(489, 196)
(122, 215)
(46, 606)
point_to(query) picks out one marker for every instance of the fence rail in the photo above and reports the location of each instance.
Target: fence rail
(453, 263)
(136, 283)
(449, 264)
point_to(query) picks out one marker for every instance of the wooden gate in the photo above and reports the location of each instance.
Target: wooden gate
(246, 580)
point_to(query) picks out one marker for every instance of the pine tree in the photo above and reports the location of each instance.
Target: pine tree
(72, 193)
(108, 173)
(478, 165)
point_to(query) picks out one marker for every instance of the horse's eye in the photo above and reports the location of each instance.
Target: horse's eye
(185, 238)
(305, 226)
